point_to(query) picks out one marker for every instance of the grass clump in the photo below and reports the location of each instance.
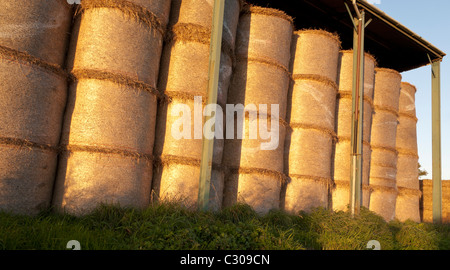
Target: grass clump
(170, 226)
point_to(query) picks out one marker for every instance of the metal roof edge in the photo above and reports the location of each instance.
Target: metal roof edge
(438, 54)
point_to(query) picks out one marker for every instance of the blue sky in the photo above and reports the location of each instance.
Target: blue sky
(430, 20)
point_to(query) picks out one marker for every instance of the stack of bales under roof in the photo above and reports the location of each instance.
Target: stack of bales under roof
(383, 166)
(184, 76)
(311, 115)
(137, 67)
(342, 150)
(255, 165)
(109, 126)
(407, 206)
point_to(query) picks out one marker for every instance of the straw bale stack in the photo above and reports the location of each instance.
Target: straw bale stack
(311, 114)
(383, 167)
(109, 125)
(183, 76)
(32, 98)
(342, 150)
(255, 174)
(407, 206)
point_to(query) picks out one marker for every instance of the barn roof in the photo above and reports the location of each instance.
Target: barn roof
(393, 44)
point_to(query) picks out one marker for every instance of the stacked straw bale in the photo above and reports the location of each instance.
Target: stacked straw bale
(33, 90)
(255, 175)
(109, 125)
(342, 150)
(311, 114)
(183, 76)
(383, 167)
(407, 206)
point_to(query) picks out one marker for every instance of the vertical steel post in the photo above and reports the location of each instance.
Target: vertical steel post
(357, 115)
(213, 85)
(436, 140)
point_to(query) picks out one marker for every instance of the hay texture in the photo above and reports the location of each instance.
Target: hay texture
(33, 93)
(383, 168)
(311, 114)
(109, 125)
(183, 76)
(261, 76)
(39, 28)
(407, 206)
(341, 161)
(315, 52)
(31, 110)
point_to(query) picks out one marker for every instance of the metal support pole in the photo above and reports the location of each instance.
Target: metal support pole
(436, 141)
(357, 115)
(213, 85)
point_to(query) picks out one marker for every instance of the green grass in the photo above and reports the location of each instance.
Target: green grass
(169, 226)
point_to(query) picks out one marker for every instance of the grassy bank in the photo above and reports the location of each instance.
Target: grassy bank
(171, 227)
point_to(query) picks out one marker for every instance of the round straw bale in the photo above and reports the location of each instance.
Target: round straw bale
(340, 196)
(407, 99)
(181, 183)
(344, 116)
(315, 52)
(408, 205)
(86, 179)
(200, 12)
(184, 67)
(265, 33)
(305, 194)
(407, 164)
(382, 201)
(407, 133)
(342, 156)
(342, 172)
(250, 151)
(383, 169)
(384, 128)
(345, 77)
(257, 83)
(96, 117)
(26, 178)
(109, 39)
(109, 138)
(33, 96)
(407, 171)
(32, 102)
(261, 192)
(387, 88)
(383, 163)
(313, 102)
(310, 153)
(39, 28)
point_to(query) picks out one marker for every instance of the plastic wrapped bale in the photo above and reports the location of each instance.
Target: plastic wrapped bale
(261, 77)
(184, 76)
(39, 28)
(109, 125)
(407, 206)
(341, 161)
(33, 43)
(383, 167)
(33, 96)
